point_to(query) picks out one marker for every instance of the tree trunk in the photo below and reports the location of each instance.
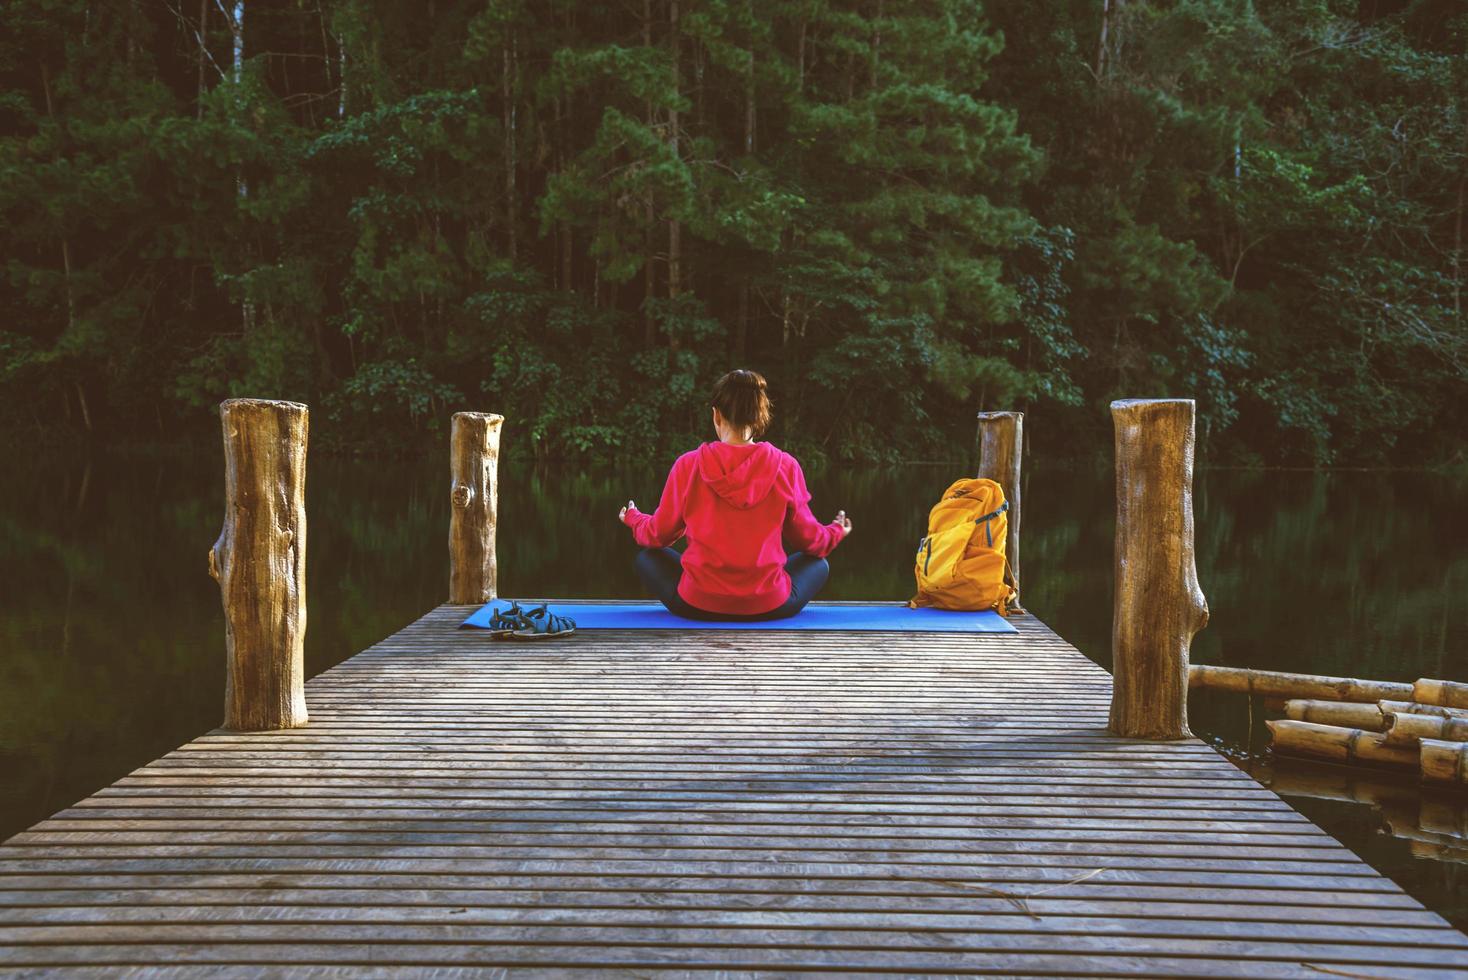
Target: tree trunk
(237, 32)
(260, 563)
(564, 237)
(65, 241)
(1458, 254)
(473, 506)
(1159, 606)
(749, 91)
(203, 54)
(1280, 684)
(81, 399)
(800, 59)
(741, 330)
(787, 358)
(66, 283)
(876, 44)
(649, 281)
(567, 239)
(507, 92)
(1001, 444)
(675, 228)
(1101, 45)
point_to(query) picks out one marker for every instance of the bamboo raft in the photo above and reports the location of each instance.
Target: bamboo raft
(1346, 720)
(702, 801)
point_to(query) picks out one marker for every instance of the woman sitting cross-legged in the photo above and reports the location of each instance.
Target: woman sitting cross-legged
(735, 499)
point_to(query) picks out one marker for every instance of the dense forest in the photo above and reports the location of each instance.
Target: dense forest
(579, 214)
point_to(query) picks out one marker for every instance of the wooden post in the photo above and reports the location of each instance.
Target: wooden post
(1158, 606)
(1001, 444)
(260, 564)
(473, 506)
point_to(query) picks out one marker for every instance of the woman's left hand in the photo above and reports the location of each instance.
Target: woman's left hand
(844, 523)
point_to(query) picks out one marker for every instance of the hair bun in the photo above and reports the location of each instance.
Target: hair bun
(740, 398)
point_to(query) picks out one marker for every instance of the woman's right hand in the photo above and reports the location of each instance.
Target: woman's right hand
(623, 515)
(844, 523)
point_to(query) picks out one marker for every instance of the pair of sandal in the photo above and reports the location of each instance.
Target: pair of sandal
(539, 623)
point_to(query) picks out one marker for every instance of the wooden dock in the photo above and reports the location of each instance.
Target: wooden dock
(737, 802)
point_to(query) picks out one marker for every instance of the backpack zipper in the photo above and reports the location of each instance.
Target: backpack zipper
(988, 532)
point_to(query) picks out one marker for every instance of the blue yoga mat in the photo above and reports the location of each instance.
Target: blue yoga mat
(860, 617)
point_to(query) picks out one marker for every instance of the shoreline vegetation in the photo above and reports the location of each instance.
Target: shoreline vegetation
(900, 211)
(436, 445)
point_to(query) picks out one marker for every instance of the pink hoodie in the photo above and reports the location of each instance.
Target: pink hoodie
(734, 503)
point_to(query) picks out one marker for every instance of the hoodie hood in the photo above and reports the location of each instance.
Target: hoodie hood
(741, 475)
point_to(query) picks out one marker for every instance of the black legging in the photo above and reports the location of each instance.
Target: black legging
(661, 568)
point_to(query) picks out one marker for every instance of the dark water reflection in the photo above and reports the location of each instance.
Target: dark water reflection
(111, 637)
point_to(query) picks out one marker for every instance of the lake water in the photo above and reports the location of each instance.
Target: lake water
(111, 636)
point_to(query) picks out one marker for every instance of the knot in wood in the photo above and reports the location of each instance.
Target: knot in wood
(462, 494)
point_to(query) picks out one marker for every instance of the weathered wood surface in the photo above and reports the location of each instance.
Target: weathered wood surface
(1001, 447)
(474, 455)
(1368, 717)
(1449, 694)
(633, 803)
(1159, 605)
(1279, 683)
(1414, 708)
(260, 563)
(1408, 729)
(1444, 762)
(1307, 739)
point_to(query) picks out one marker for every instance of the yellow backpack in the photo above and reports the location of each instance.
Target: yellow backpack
(961, 563)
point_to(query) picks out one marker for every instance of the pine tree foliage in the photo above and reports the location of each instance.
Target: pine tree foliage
(901, 211)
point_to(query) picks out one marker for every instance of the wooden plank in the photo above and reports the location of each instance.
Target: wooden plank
(491, 921)
(852, 951)
(1427, 948)
(846, 892)
(855, 826)
(1223, 855)
(1031, 967)
(16, 906)
(70, 845)
(394, 803)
